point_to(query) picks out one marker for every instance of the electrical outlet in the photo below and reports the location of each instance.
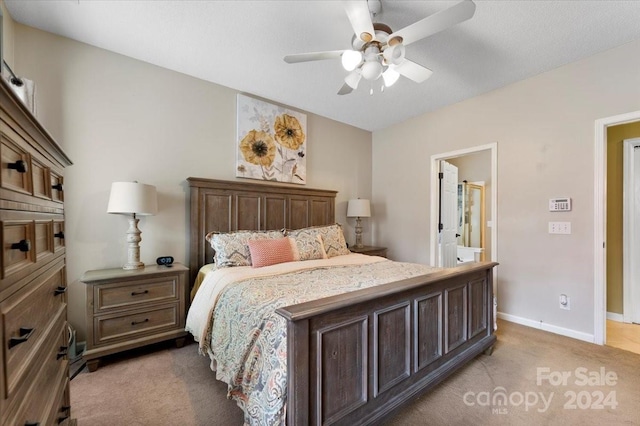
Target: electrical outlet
(565, 302)
(560, 227)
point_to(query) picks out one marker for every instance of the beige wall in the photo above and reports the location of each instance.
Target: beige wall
(544, 129)
(615, 155)
(7, 35)
(121, 119)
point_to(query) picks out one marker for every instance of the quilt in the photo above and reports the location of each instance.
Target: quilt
(233, 318)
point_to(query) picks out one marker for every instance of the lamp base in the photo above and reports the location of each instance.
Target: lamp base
(133, 266)
(133, 247)
(359, 233)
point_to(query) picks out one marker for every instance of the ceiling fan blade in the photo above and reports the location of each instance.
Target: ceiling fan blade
(360, 18)
(413, 71)
(345, 89)
(313, 56)
(435, 23)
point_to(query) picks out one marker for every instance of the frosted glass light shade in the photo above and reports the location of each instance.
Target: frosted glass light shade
(371, 70)
(351, 59)
(133, 197)
(359, 208)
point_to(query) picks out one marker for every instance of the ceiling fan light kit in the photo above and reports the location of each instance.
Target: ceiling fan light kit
(380, 52)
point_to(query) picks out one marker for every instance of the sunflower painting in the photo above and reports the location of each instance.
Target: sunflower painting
(271, 142)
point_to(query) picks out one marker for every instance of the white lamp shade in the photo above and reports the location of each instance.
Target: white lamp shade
(133, 197)
(359, 208)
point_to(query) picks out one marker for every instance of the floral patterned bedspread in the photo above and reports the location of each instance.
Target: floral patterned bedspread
(247, 342)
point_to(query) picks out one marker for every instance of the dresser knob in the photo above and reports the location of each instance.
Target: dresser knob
(57, 186)
(25, 333)
(59, 235)
(60, 290)
(19, 166)
(23, 246)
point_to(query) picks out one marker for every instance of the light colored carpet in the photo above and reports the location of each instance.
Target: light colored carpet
(163, 385)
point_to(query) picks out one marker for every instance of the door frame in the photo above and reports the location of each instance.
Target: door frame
(435, 159)
(600, 221)
(631, 250)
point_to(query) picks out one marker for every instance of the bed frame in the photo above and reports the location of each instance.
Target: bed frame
(358, 357)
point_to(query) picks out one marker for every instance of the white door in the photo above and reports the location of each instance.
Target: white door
(448, 226)
(631, 233)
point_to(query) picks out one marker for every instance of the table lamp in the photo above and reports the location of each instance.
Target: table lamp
(359, 208)
(133, 198)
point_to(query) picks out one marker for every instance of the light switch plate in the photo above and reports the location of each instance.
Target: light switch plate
(560, 227)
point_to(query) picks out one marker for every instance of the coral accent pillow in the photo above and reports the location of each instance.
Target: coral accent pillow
(270, 252)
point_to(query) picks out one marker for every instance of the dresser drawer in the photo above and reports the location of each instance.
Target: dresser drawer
(126, 294)
(27, 316)
(29, 242)
(128, 326)
(16, 167)
(18, 238)
(57, 193)
(41, 402)
(58, 235)
(41, 180)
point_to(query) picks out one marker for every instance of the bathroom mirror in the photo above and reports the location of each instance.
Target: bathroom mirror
(471, 215)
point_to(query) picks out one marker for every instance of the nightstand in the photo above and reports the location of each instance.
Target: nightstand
(370, 250)
(127, 309)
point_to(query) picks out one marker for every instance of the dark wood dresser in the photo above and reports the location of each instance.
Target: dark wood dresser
(34, 367)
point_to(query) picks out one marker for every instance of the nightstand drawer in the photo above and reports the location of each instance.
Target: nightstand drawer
(126, 294)
(129, 325)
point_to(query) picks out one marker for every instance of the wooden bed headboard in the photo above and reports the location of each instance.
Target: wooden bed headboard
(224, 206)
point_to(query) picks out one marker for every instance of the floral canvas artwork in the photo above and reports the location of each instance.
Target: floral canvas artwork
(271, 142)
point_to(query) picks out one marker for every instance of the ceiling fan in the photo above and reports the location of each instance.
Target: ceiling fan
(379, 51)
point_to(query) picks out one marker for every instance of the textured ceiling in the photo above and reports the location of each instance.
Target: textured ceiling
(240, 44)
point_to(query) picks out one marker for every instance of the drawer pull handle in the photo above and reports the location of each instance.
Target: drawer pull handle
(62, 419)
(60, 290)
(27, 423)
(59, 235)
(23, 246)
(62, 353)
(19, 166)
(138, 293)
(25, 333)
(139, 322)
(57, 186)
(65, 408)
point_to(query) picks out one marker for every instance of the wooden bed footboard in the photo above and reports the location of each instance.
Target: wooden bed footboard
(355, 358)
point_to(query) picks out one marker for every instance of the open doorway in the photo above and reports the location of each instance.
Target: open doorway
(463, 159)
(608, 248)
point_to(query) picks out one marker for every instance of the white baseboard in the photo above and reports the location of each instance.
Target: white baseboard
(615, 317)
(548, 327)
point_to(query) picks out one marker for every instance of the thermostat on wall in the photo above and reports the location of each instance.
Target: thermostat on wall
(560, 204)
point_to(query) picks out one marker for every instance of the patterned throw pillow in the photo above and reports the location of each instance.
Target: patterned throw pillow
(308, 247)
(331, 235)
(270, 252)
(232, 249)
